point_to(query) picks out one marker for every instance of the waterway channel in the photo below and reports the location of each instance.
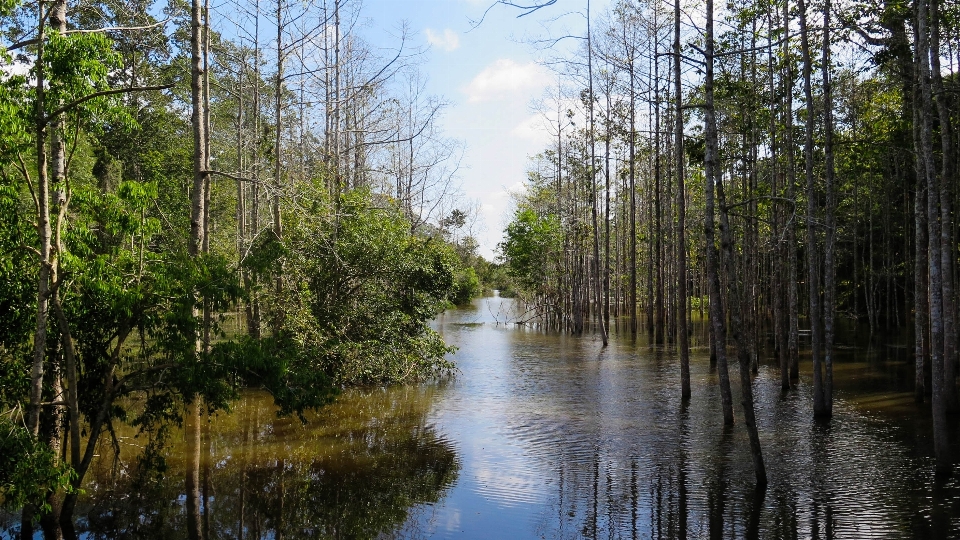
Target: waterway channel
(544, 435)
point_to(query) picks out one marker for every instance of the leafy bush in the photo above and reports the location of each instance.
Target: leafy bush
(360, 289)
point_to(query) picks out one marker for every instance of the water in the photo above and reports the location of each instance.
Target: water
(541, 435)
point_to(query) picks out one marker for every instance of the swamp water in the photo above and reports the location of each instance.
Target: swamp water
(542, 435)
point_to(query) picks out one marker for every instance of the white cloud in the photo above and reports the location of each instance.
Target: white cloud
(505, 78)
(533, 129)
(448, 40)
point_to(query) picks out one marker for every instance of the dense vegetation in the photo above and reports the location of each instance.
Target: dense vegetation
(184, 214)
(774, 165)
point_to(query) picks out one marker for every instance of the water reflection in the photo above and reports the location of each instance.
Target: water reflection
(599, 446)
(543, 435)
(354, 471)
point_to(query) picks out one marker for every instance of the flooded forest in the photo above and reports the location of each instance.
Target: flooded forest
(243, 293)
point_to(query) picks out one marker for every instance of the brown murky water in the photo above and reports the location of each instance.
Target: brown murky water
(543, 435)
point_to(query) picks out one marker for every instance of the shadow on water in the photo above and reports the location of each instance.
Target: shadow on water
(356, 470)
(545, 435)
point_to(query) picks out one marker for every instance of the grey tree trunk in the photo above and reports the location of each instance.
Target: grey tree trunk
(921, 319)
(197, 229)
(940, 437)
(829, 264)
(598, 285)
(681, 214)
(633, 200)
(793, 301)
(717, 320)
(946, 217)
(743, 348)
(813, 265)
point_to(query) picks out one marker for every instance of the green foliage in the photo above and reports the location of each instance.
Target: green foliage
(17, 293)
(28, 468)
(77, 66)
(466, 286)
(291, 370)
(531, 242)
(362, 290)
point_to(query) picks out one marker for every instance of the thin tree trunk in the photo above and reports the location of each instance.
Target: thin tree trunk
(813, 274)
(941, 442)
(793, 301)
(743, 349)
(593, 190)
(829, 264)
(946, 217)
(197, 229)
(633, 200)
(717, 321)
(681, 213)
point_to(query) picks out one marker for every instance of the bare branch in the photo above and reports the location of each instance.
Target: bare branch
(28, 42)
(86, 98)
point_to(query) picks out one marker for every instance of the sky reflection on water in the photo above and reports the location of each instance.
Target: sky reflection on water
(542, 435)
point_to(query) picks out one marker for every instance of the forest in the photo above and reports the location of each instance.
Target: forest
(189, 213)
(781, 168)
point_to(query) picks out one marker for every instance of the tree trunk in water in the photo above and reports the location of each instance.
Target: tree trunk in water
(829, 270)
(681, 215)
(197, 229)
(743, 348)
(940, 440)
(793, 301)
(717, 321)
(920, 283)
(633, 203)
(598, 284)
(50, 521)
(946, 218)
(813, 274)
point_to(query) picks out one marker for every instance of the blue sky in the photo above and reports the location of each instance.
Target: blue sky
(490, 78)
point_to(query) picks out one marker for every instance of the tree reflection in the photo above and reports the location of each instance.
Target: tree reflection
(355, 471)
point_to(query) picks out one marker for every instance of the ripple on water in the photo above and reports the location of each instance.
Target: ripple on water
(594, 442)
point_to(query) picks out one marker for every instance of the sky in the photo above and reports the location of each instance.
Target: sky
(491, 78)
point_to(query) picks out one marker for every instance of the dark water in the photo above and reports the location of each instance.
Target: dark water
(542, 435)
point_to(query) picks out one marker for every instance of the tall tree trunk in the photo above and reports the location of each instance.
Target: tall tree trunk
(743, 348)
(593, 191)
(44, 233)
(829, 264)
(940, 437)
(197, 229)
(717, 320)
(606, 209)
(946, 217)
(633, 199)
(277, 169)
(921, 277)
(779, 273)
(793, 301)
(813, 264)
(55, 419)
(681, 213)
(660, 315)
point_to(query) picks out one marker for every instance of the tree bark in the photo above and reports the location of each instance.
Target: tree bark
(717, 320)
(593, 191)
(946, 217)
(681, 214)
(196, 245)
(940, 437)
(813, 265)
(829, 270)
